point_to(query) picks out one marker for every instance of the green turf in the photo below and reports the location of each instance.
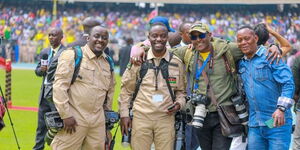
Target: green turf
(25, 92)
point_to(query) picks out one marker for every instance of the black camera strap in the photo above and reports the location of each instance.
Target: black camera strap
(163, 67)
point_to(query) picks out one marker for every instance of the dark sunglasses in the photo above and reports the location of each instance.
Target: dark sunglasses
(200, 36)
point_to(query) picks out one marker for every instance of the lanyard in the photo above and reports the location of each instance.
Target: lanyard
(199, 71)
(156, 69)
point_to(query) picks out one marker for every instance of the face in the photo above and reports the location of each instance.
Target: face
(185, 34)
(201, 41)
(98, 39)
(55, 37)
(246, 40)
(158, 37)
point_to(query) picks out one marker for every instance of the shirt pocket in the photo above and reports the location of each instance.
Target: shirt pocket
(86, 74)
(261, 72)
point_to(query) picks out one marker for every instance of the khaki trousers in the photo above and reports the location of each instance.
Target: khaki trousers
(85, 138)
(145, 132)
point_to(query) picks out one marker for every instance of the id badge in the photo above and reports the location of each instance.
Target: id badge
(157, 98)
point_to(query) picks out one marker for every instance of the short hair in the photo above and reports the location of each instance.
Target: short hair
(174, 39)
(88, 23)
(262, 33)
(245, 27)
(182, 26)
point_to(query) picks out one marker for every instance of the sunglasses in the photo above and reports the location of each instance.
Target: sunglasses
(200, 36)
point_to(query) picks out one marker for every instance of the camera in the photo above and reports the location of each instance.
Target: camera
(54, 124)
(180, 132)
(111, 118)
(127, 138)
(200, 101)
(240, 108)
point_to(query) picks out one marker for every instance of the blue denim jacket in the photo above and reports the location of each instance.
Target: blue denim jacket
(266, 86)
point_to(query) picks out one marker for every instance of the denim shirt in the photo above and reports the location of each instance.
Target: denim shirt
(266, 86)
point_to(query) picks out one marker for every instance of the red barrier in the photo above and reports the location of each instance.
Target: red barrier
(6, 64)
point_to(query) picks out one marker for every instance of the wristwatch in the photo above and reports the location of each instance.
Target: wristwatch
(281, 108)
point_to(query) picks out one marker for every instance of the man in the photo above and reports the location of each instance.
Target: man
(81, 105)
(157, 19)
(88, 23)
(124, 54)
(152, 120)
(174, 39)
(269, 90)
(55, 36)
(296, 74)
(190, 133)
(220, 72)
(184, 29)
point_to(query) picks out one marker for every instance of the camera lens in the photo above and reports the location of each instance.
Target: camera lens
(126, 138)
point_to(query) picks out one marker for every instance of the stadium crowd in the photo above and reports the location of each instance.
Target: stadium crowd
(24, 29)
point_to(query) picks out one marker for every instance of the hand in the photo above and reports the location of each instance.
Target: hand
(108, 136)
(273, 53)
(174, 108)
(125, 124)
(70, 125)
(138, 56)
(43, 68)
(278, 116)
(269, 28)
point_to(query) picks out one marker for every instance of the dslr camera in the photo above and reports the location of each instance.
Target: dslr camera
(111, 118)
(200, 102)
(240, 108)
(126, 138)
(54, 124)
(180, 132)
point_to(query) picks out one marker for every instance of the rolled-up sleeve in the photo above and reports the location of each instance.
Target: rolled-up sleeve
(62, 82)
(283, 75)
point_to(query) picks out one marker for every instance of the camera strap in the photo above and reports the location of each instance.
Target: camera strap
(209, 87)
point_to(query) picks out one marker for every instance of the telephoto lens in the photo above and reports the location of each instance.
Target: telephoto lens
(126, 138)
(201, 101)
(50, 136)
(240, 109)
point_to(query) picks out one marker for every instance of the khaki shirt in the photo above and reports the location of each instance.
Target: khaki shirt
(146, 105)
(224, 85)
(84, 99)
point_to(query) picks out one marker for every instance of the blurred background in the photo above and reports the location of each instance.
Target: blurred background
(24, 28)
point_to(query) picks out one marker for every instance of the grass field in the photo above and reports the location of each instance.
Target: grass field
(25, 92)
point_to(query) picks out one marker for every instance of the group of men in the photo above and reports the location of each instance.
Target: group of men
(154, 88)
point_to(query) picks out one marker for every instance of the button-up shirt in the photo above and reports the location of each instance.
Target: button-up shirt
(145, 104)
(222, 81)
(266, 86)
(85, 98)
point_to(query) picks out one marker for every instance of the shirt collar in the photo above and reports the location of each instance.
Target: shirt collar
(56, 49)
(150, 55)
(182, 43)
(91, 54)
(259, 52)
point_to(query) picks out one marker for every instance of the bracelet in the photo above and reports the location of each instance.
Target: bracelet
(280, 50)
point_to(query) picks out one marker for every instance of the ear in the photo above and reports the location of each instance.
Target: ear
(256, 38)
(87, 38)
(209, 36)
